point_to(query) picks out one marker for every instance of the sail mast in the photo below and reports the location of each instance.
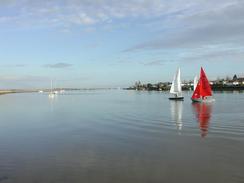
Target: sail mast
(51, 85)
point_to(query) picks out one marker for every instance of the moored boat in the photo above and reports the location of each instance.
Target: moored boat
(176, 89)
(52, 93)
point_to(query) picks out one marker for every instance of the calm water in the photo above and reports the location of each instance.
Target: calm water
(120, 137)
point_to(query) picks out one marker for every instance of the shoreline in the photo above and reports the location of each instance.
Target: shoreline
(214, 88)
(3, 92)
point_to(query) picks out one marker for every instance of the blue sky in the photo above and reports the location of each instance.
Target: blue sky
(110, 43)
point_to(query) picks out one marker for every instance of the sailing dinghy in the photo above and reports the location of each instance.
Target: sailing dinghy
(203, 91)
(51, 93)
(176, 87)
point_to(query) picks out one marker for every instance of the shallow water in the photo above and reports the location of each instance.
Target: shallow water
(120, 136)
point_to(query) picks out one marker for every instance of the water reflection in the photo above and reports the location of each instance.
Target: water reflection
(176, 113)
(52, 101)
(203, 112)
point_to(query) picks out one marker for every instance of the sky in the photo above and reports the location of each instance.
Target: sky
(111, 43)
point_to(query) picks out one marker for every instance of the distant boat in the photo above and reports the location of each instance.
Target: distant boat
(61, 91)
(176, 87)
(203, 91)
(51, 93)
(56, 91)
(195, 83)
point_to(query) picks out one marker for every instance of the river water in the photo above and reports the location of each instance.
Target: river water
(116, 136)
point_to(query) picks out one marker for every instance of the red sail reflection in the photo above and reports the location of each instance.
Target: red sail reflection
(203, 113)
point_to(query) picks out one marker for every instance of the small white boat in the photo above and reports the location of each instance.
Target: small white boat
(52, 93)
(61, 91)
(176, 89)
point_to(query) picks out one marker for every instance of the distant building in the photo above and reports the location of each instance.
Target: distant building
(237, 80)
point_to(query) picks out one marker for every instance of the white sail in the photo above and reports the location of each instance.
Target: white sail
(172, 89)
(195, 82)
(176, 84)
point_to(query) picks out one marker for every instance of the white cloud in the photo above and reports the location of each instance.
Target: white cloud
(14, 65)
(86, 12)
(154, 63)
(181, 24)
(60, 65)
(212, 31)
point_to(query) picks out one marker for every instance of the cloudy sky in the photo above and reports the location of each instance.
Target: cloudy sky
(109, 43)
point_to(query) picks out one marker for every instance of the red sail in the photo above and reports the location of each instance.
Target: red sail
(203, 88)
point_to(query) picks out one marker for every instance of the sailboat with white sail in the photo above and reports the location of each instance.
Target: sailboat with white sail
(51, 93)
(176, 89)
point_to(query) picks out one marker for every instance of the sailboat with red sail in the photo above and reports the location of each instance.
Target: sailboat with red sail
(203, 91)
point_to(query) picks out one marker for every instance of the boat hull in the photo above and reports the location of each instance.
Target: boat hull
(206, 100)
(176, 98)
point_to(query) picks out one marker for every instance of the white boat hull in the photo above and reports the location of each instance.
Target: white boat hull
(51, 95)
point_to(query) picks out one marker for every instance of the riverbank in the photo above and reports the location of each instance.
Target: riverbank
(228, 88)
(189, 88)
(2, 92)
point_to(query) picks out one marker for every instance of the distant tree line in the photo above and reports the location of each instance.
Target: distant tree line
(219, 84)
